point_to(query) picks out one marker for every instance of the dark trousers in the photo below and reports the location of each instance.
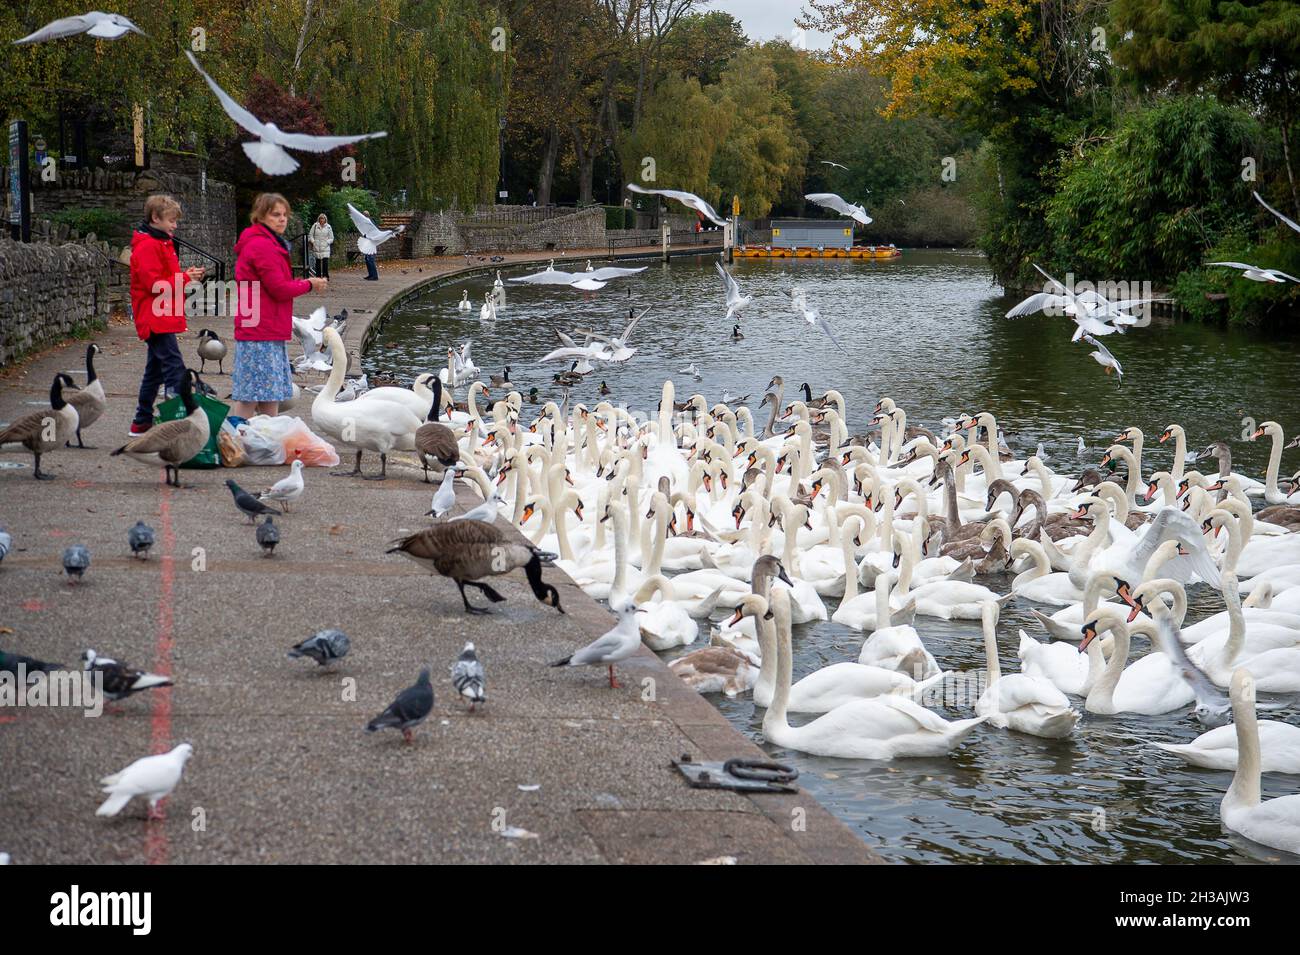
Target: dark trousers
(372, 273)
(323, 266)
(164, 365)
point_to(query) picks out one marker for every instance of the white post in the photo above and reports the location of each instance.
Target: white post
(664, 233)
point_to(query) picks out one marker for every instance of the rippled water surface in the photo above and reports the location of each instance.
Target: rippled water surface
(927, 330)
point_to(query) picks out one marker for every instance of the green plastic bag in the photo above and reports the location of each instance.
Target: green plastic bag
(173, 409)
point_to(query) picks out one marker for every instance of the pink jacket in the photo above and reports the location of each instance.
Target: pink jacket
(265, 311)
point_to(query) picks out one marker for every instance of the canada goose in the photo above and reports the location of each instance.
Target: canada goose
(503, 380)
(736, 333)
(172, 443)
(211, 348)
(468, 550)
(434, 439)
(89, 401)
(32, 431)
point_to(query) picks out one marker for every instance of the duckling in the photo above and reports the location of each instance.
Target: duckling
(211, 348)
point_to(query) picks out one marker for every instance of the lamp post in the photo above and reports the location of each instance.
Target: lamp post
(501, 156)
(609, 196)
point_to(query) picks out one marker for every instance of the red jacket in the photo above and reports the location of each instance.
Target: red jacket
(157, 284)
(265, 312)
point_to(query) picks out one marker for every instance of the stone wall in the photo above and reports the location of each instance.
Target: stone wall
(50, 292)
(456, 233)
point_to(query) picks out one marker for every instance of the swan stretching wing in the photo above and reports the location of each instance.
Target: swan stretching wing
(685, 198)
(268, 153)
(833, 202)
(1289, 222)
(103, 26)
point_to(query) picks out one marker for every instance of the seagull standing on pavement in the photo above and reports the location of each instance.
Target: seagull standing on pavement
(1256, 274)
(444, 499)
(615, 645)
(287, 489)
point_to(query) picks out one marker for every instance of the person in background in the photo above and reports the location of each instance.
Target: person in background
(158, 303)
(532, 199)
(261, 376)
(319, 240)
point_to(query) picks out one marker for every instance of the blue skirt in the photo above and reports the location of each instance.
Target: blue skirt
(261, 372)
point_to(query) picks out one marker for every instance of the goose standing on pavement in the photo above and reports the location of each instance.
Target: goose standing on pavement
(32, 432)
(434, 440)
(172, 443)
(211, 348)
(89, 401)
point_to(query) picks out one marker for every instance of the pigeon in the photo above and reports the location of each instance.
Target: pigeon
(140, 537)
(685, 198)
(268, 535)
(410, 709)
(10, 662)
(444, 499)
(372, 237)
(324, 646)
(268, 153)
(153, 777)
(120, 680)
(75, 561)
(249, 505)
(828, 200)
(287, 489)
(6, 543)
(102, 26)
(467, 676)
(616, 644)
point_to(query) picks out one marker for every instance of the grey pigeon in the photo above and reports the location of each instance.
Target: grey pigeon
(248, 504)
(268, 535)
(412, 706)
(75, 560)
(6, 543)
(467, 676)
(324, 646)
(120, 680)
(140, 537)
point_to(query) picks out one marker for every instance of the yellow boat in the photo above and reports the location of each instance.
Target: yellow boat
(857, 252)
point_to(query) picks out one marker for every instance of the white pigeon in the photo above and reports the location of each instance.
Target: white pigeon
(268, 153)
(444, 499)
(153, 777)
(1104, 358)
(736, 303)
(829, 200)
(372, 237)
(685, 198)
(1256, 274)
(1290, 222)
(102, 26)
(288, 489)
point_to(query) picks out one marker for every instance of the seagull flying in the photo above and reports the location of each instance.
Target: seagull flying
(372, 237)
(736, 303)
(827, 162)
(685, 198)
(1289, 222)
(102, 26)
(268, 153)
(584, 281)
(1104, 358)
(1256, 274)
(619, 350)
(1092, 314)
(813, 317)
(829, 200)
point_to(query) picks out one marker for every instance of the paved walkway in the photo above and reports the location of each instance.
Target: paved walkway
(281, 770)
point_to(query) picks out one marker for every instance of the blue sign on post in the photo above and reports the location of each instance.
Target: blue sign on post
(20, 214)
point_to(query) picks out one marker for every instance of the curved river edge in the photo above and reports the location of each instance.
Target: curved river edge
(797, 828)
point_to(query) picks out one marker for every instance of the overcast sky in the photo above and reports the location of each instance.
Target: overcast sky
(770, 20)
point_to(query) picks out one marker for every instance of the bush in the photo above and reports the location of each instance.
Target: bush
(1239, 300)
(334, 203)
(107, 224)
(617, 217)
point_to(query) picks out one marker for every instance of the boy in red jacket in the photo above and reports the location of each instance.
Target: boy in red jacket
(158, 302)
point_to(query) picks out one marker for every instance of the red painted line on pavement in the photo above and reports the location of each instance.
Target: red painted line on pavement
(155, 843)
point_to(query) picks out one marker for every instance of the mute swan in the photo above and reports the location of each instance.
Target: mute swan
(1061, 664)
(1271, 493)
(664, 624)
(1274, 823)
(1020, 701)
(1279, 745)
(363, 424)
(1038, 582)
(946, 599)
(896, 647)
(885, 727)
(717, 669)
(463, 305)
(1152, 685)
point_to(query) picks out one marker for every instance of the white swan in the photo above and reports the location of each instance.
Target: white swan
(1217, 749)
(1150, 686)
(1039, 583)
(463, 305)
(1020, 701)
(1061, 664)
(885, 727)
(1275, 823)
(664, 624)
(946, 599)
(896, 647)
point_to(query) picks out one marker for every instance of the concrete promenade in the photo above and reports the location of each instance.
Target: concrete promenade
(282, 771)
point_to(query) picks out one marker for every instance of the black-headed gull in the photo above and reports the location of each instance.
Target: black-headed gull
(736, 302)
(814, 318)
(102, 26)
(553, 276)
(827, 162)
(268, 153)
(1290, 222)
(685, 198)
(286, 490)
(1104, 358)
(1256, 274)
(615, 645)
(153, 777)
(833, 202)
(372, 237)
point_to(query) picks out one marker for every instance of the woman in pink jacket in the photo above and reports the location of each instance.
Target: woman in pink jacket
(261, 376)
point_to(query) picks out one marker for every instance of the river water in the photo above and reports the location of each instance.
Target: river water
(928, 330)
